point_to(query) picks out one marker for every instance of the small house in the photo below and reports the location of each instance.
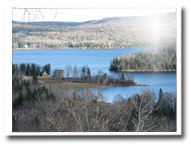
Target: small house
(43, 73)
(59, 74)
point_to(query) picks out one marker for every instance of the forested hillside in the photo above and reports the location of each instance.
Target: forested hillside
(38, 108)
(162, 59)
(116, 32)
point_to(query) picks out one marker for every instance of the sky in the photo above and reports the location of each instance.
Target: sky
(82, 14)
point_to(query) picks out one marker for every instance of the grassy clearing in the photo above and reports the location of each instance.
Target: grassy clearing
(66, 84)
(62, 84)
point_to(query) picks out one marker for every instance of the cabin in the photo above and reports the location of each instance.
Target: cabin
(44, 73)
(59, 74)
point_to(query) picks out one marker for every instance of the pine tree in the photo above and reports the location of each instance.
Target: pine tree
(38, 71)
(13, 69)
(47, 68)
(22, 68)
(35, 79)
(83, 72)
(114, 60)
(28, 70)
(89, 73)
(33, 69)
(160, 101)
(18, 101)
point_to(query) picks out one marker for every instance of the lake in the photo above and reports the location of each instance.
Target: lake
(97, 59)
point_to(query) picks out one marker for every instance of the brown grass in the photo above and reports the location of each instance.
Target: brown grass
(63, 84)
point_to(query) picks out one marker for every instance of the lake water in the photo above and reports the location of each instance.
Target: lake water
(165, 81)
(97, 59)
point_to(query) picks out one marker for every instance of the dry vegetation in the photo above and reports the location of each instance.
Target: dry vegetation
(65, 84)
(40, 109)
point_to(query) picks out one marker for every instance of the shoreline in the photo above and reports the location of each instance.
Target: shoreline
(75, 86)
(146, 71)
(71, 48)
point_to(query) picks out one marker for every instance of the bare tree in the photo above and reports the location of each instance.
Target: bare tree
(39, 14)
(68, 71)
(75, 72)
(142, 117)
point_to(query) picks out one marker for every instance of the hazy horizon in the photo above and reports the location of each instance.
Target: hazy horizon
(82, 15)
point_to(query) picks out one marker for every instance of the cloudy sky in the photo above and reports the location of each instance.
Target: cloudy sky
(82, 14)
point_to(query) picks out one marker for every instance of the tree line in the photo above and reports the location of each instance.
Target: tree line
(94, 38)
(83, 75)
(73, 74)
(32, 69)
(157, 59)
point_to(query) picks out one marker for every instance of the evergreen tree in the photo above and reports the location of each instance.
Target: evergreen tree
(160, 101)
(18, 101)
(47, 68)
(114, 60)
(28, 70)
(38, 71)
(83, 73)
(89, 73)
(88, 79)
(35, 79)
(13, 69)
(33, 69)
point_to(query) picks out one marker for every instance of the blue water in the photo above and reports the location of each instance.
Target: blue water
(97, 59)
(59, 58)
(165, 81)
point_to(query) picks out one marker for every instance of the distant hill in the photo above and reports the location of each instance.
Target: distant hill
(165, 20)
(51, 23)
(168, 19)
(17, 25)
(112, 32)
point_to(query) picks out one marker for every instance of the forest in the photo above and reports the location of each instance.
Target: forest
(37, 108)
(117, 32)
(160, 59)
